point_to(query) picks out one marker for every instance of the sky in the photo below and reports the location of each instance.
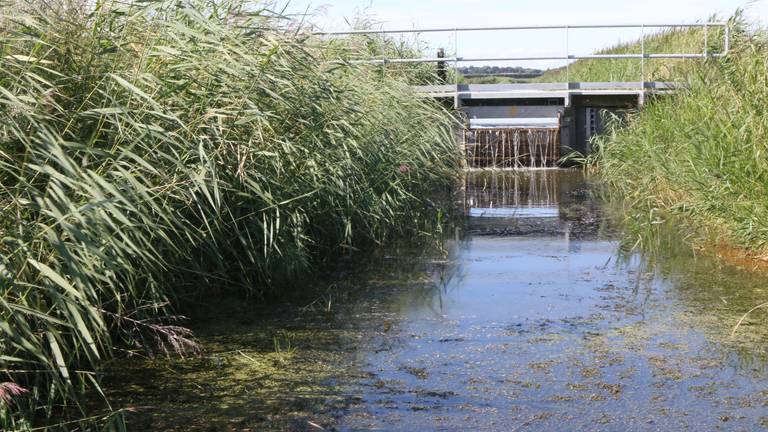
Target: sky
(333, 15)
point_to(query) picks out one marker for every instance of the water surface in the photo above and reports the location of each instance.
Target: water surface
(527, 318)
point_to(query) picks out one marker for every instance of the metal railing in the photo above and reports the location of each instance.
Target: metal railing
(456, 59)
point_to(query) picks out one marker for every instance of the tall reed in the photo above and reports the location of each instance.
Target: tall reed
(150, 149)
(699, 155)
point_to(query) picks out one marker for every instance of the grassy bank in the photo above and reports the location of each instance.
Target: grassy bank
(163, 149)
(698, 156)
(672, 40)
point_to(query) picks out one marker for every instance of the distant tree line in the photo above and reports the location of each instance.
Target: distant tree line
(469, 71)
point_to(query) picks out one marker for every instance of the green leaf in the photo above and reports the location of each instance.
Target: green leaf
(56, 278)
(58, 357)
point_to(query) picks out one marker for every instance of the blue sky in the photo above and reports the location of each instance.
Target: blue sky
(333, 15)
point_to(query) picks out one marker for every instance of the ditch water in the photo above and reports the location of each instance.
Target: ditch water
(529, 317)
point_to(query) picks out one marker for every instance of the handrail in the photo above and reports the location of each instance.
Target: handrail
(456, 59)
(500, 59)
(529, 27)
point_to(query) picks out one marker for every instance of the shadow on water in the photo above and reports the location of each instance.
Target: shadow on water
(530, 317)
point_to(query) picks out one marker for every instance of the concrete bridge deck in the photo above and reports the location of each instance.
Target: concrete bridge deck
(532, 91)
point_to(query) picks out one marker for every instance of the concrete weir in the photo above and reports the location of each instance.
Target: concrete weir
(534, 125)
(512, 146)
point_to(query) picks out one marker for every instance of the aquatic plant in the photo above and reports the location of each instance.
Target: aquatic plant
(152, 151)
(699, 154)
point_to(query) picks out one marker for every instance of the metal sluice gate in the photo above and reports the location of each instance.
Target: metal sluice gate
(512, 143)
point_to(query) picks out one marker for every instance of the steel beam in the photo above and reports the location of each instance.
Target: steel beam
(507, 28)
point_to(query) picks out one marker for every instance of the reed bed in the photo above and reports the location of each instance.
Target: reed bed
(699, 156)
(162, 149)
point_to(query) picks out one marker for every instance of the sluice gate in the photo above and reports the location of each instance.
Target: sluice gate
(519, 147)
(509, 136)
(516, 126)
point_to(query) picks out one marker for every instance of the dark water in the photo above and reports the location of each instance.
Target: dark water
(529, 318)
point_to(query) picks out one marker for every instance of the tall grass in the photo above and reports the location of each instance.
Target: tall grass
(668, 41)
(700, 155)
(150, 149)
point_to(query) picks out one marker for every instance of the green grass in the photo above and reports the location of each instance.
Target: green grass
(673, 40)
(699, 156)
(162, 149)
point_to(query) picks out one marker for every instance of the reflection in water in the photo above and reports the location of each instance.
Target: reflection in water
(521, 194)
(544, 327)
(531, 320)
(512, 189)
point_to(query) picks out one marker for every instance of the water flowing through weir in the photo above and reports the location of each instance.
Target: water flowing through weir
(520, 147)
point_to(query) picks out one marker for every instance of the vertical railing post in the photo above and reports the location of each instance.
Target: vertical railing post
(456, 66)
(442, 73)
(642, 57)
(568, 56)
(706, 41)
(384, 68)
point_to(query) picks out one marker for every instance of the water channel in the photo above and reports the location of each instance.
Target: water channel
(530, 315)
